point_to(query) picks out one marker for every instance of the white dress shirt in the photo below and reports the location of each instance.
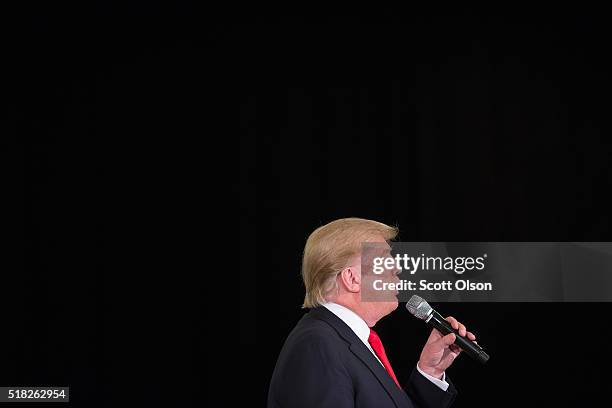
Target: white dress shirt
(361, 329)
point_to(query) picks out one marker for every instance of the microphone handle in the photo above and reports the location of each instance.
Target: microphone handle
(444, 327)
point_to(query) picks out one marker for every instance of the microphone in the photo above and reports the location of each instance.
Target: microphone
(422, 310)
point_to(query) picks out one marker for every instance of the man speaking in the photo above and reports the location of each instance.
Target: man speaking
(333, 358)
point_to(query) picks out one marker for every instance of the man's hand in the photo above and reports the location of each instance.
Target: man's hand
(439, 352)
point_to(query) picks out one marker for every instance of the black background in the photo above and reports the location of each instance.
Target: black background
(151, 139)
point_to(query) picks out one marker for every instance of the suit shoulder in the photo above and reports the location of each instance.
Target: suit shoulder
(313, 345)
(315, 330)
(311, 333)
(311, 367)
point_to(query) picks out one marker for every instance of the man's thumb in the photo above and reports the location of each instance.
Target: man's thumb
(448, 339)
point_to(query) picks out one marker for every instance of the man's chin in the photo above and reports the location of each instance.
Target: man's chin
(391, 305)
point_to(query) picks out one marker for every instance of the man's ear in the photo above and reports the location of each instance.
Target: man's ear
(350, 279)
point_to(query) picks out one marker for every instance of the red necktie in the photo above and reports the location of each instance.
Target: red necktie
(378, 348)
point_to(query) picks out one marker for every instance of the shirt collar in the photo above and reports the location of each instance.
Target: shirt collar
(352, 320)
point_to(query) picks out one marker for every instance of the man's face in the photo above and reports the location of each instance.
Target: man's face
(377, 302)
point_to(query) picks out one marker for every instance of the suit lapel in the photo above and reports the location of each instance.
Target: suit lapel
(362, 352)
(365, 355)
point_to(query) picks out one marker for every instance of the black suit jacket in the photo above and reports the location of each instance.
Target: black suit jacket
(324, 364)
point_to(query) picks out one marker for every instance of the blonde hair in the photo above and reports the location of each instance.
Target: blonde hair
(329, 249)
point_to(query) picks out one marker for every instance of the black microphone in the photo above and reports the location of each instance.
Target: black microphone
(422, 310)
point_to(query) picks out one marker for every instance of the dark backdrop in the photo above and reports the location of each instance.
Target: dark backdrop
(132, 119)
(455, 127)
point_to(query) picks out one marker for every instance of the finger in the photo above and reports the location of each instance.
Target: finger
(448, 359)
(471, 336)
(455, 348)
(434, 336)
(454, 323)
(462, 330)
(447, 340)
(443, 342)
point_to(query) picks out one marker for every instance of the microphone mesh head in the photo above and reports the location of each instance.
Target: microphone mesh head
(418, 307)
